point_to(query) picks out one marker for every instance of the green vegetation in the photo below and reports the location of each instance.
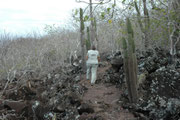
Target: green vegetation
(130, 63)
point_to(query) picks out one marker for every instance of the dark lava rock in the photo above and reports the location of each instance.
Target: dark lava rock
(165, 82)
(162, 99)
(114, 77)
(56, 93)
(159, 94)
(85, 108)
(117, 61)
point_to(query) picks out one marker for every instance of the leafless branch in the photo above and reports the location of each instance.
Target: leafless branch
(86, 8)
(113, 9)
(163, 3)
(152, 4)
(173, 45)
(80, 1)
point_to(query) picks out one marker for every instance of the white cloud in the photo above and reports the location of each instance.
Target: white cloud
(26, 15)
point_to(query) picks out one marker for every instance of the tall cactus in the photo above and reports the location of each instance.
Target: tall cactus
(130, 35)
(88, 42)
(96, 36)
(82, 39)
(130, 63)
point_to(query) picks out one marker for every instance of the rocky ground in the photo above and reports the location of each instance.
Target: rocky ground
(158, 88)
(65, 94)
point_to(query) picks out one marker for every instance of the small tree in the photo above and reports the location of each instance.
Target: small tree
(174, 20)
(130, 63)
(144, 28)
(93, 30)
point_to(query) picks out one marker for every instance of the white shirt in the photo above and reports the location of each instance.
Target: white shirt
(92, 56)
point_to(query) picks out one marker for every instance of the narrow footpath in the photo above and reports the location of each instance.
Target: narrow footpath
(104, 97)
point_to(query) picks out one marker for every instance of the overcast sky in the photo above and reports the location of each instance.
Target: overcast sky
(23, 16)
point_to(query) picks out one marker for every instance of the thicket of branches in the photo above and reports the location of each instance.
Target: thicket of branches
(155, 23)
(24, 55)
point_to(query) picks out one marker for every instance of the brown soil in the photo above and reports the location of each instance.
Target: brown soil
(104, 97)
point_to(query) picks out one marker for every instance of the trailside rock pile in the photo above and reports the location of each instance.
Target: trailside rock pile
(115, 74)
(159, 85)
(162, 97)
(55, 95)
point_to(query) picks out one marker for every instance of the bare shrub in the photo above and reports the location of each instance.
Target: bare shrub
(20, 55)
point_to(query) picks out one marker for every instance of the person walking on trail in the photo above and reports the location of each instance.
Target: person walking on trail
(93, 59)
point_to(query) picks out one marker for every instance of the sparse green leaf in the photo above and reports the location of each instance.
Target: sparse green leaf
(86, 18)
(108, 10)
(110, 21)
(76, 12)
(103, 15)
(91, 19)
(123, 1)
(113, 5)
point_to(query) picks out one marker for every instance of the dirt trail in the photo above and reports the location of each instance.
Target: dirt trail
(103, 97)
